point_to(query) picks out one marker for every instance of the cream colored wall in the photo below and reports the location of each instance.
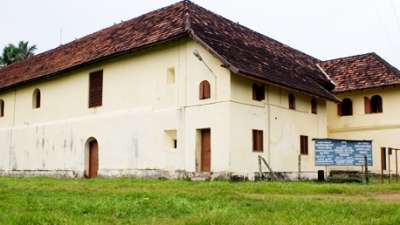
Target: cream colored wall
(382, 128)
(138, 106)
(282, 128)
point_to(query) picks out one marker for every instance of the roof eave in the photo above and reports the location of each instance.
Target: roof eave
(91, 62)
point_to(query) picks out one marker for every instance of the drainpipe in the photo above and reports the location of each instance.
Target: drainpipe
(269, 124)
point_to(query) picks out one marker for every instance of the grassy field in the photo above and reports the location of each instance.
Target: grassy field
(29, 201)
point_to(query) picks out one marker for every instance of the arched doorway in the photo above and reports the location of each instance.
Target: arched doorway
(92, 158)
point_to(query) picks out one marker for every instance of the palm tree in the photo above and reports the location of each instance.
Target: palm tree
(12, 53)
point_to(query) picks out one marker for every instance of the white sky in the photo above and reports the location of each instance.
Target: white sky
(322, 28)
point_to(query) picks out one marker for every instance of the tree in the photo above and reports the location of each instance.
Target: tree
(12, 53)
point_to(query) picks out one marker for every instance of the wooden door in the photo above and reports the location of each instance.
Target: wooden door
(93, 159)
(205, 150)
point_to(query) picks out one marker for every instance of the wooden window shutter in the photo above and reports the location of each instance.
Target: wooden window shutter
(1, 108)
(254, 91)
(258, 145)
(95, 89)
(383, 158)
(304, 145)
(367, 105)
(204, 90)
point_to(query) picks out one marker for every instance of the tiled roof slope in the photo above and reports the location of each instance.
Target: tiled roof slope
(242, 50)
(361, 72)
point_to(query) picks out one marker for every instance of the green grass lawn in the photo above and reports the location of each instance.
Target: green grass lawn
(29, 201)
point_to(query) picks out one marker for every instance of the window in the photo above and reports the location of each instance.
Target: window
(258, 92)
(171, 139)
(171, 75)
(95, 89)
(258, 137)
(36, 99)
(373, 105)
(304, 145)
(345, 108)
(314, 106)
(292, 102)
(205, 90)
(1, 108)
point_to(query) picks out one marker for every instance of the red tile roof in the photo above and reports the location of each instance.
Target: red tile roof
(242, 50)
(361, 72)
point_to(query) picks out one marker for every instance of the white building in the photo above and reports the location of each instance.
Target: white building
(176, 91)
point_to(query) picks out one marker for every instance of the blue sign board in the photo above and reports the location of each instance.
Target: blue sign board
(332, 152)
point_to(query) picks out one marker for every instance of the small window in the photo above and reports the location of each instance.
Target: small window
(304, 145)
(258, 137)
(1, 108)
(258, 92)
(376, 104)
(292, 102)
(314, 106)
(345, 108)
(171, 75)
(205, 90)
(171, 139)
(96, 89)
(36, 99)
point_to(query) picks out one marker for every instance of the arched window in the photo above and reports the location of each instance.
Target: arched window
(314, 106)
(205, 90)
(292, 102)
(36, 99)
(376, 104)
(1, 108)
(345, 108)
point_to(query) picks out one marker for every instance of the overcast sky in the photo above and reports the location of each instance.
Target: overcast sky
(322, 28)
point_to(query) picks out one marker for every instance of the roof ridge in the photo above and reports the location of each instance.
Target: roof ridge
(252, 30)
(349, 57)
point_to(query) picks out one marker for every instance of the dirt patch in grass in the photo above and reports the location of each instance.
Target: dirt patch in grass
(389, 197)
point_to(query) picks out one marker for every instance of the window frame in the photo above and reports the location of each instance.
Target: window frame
(292, 101)
(314, 106)
(376, 104)
(304, 150)
(204, 90)
(257, 140)
(341, 108)
(36, 99)
(95, 98)
(258, 92)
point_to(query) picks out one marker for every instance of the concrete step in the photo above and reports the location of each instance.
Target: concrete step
(201, 177)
